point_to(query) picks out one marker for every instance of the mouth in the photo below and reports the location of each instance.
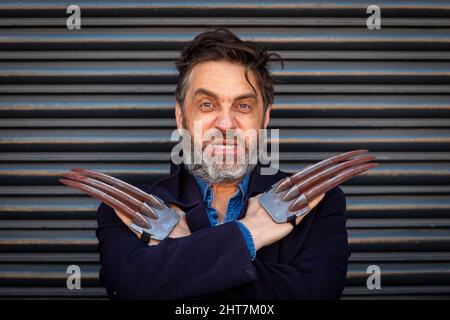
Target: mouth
(222, 148)
(225, 147)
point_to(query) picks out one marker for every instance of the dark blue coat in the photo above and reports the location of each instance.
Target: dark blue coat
(214, 262)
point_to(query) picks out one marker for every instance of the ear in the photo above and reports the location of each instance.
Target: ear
(267, 117)
(178, 116)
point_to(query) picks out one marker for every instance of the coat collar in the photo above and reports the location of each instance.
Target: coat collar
(181, 189)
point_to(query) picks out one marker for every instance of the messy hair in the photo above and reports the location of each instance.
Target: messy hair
(222, 44)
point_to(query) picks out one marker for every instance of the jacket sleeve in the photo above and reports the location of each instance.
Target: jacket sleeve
(318, 270)
(209, 260)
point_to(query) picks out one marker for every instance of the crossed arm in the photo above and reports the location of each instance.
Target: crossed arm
(213, 260)
(216, 259)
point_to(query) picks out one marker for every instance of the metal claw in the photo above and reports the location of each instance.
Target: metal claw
(308, 171)
(123, 197)
(121, 185)
(110, 201)
(327, 185)
(147, 212)
(291, 197)
(303, 185)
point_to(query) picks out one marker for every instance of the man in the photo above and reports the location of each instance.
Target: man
(226, 245)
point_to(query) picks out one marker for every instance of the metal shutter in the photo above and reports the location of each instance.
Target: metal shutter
(102, 98)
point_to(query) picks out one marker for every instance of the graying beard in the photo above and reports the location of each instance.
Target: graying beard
(201, 170)
(216, 175)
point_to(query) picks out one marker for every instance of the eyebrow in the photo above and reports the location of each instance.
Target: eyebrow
(248, 95)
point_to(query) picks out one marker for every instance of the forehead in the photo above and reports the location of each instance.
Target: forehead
(222, 77)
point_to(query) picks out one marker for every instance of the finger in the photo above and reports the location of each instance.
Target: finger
(303, 200)
(144, 235)
(123, 197)
(121, 185)
(320, 176)
(135, 229)
(313, 203)
(154, 242)
(290, 181)
(310, 206)
(110, 201)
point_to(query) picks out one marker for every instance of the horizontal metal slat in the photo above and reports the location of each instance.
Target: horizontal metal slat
(391, 273)
(362, 240)
(227, 7)
(139, 89)
(165, 73)
(80, 206)
(350, 106)
(276, 123)
(167, 55)
(49, 224)
(115, 22)
(377, 257)
(159, 140)
(389, 292)
(162, 38)
(59, 292)
(402, 274)
(401, 206)
(350, 190)
(356, 257)
(405, 292)
(45, 275)
(58, 208)
(385, 173)
(133, 157)
(48, 241)
(46, 258)
(399, 240)
(388, 223)
(151, 106)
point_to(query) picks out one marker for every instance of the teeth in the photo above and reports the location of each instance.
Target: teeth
(226, 146)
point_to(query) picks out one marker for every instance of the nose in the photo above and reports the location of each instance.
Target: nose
(225, 121)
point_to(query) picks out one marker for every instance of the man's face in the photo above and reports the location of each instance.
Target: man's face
(220, 98)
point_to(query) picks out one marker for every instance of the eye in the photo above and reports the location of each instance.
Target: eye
(244, 107)
(206, 105)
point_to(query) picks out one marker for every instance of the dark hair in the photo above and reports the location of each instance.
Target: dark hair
(222, 44)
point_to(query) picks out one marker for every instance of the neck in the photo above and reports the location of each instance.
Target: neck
(225, 188)
(222, 194)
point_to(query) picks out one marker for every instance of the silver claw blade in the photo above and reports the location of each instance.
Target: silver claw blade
(122, 201)
(291, 196)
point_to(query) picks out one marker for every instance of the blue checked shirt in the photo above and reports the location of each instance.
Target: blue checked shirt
(235, 206)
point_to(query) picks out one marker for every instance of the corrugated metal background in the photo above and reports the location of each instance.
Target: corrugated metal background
(101, 98)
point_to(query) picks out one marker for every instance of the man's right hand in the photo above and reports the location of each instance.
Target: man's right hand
(145, 214)
(180, 230)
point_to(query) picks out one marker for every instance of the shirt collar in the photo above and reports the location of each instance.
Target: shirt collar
(180, 187)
